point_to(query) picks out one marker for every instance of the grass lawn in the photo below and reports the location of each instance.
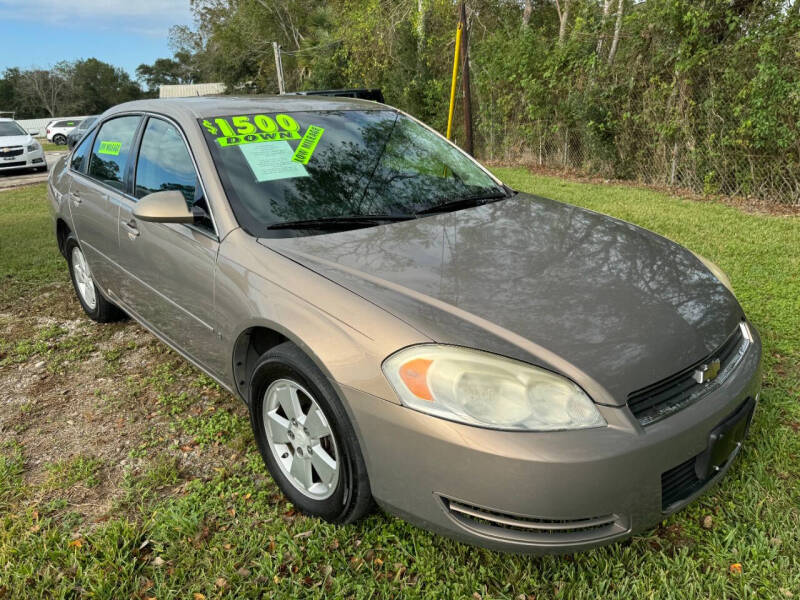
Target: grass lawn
(51, 147)
(126, 473)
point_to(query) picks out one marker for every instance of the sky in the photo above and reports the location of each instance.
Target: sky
(125, 33)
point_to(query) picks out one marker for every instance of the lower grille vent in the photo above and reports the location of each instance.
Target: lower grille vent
(532, 529)
(679, 483)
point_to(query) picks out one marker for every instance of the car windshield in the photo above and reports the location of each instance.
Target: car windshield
(87, 123)
(8, 128)
(354, 167)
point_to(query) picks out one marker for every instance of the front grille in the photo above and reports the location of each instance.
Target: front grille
(531, 529)
(10, 151)
(665, 397)
(12, 164)
(679, 483)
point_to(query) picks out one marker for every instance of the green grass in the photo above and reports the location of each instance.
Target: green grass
(51, 147)
(231, 534)
(79, 469)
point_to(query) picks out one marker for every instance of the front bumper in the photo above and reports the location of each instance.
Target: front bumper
(539, 492)
(24, 160)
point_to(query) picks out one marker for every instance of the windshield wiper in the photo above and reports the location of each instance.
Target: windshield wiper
(463, 202)
(337, 222)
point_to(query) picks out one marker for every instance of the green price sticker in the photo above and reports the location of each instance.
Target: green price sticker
(308, 144)
(112, 148)
(250, 129)
(252, 138)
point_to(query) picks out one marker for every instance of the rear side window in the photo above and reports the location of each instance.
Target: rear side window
(164, 162)
(111, 149)
(79, 154)
(67, 123)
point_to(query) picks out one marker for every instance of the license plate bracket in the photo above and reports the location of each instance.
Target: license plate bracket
(724, 440)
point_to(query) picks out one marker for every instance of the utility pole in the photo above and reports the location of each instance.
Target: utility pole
(468, 146)
(279, 67)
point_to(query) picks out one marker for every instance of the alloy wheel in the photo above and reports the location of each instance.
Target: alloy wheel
(301, 439)
(83, 278)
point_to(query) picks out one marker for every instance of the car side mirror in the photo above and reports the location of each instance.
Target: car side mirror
(168, 206)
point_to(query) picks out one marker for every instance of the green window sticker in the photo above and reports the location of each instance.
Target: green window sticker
(254, 138)
(308, 144)
(269, 162)
(112, 148)
(251, 129)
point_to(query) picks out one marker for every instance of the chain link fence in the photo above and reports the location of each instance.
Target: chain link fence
(699, 165)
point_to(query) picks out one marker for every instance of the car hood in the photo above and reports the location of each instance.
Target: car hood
(15, 140)
(607, 303)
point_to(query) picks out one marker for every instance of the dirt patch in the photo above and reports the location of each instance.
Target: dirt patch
(88, 404)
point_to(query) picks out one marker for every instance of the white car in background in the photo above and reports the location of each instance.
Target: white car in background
(18, 149)
(57, 131)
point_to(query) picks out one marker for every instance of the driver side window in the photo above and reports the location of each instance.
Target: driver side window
(165, 164)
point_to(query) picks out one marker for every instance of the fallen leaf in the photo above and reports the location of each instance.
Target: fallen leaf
(232, 512)
(158, 561)
(198, 596)
(221, 583)
(35, 515)
(76, 544)
(303, 535)
(227, 546)
(735, 568)
(378, 562)
(244, 572)
(276, 579)
(708, 522)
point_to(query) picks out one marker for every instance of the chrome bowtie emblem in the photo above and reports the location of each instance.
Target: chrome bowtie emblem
(707, 372)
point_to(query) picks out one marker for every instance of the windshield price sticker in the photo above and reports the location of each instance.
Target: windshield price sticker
(244, 129)
(307, 145)
(112, 148)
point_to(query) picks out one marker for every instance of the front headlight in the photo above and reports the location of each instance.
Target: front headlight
(487, 390)
(716, 271)
(34, 146)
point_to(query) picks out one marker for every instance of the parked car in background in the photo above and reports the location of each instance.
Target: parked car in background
(18, 148)
(57, 131)
(502, 368)
(76, 134)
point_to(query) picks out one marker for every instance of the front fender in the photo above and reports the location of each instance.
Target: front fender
(345, 335)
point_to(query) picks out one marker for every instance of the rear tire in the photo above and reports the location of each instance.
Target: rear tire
(284, 437)
(92, 301)
(59, 140)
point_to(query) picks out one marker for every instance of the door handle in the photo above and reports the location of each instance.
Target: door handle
(131, 228)
(76, 198)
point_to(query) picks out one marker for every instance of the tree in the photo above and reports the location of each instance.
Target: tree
(97, 85)
(562, 7)
(164, 71)
(617, 29)
(46, 88)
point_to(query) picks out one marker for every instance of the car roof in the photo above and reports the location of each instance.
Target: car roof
(211, 106)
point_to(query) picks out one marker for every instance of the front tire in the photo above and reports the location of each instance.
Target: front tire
(305, 437)
(59, 140)
(92, 301)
